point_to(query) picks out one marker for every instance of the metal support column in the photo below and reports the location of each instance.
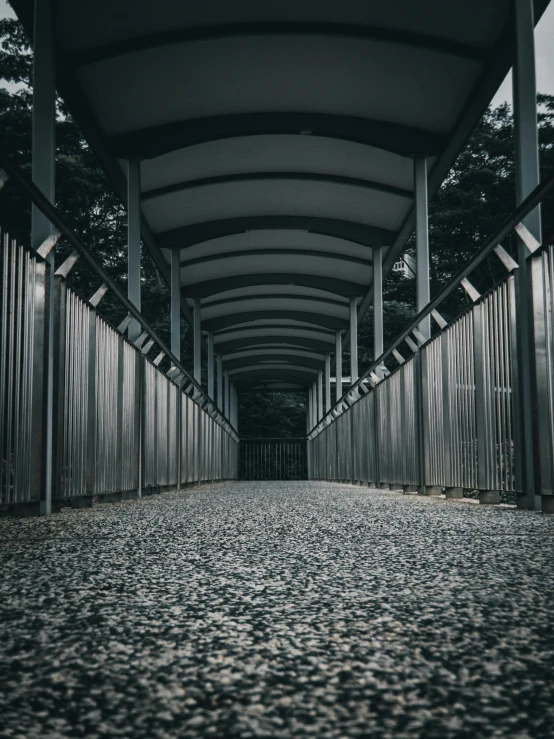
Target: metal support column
(43, 170)
(226, 401)
(219, 382)
(353, 340)
(526, 179)
(320, 413)
(338, 365)
(197, 342)
(327, 383)
(422, 241)
(133, 242)
(377, 306)
(176, 303)
(309, 411)
(211, 367)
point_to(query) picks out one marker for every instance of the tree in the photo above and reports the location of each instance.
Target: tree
(477, 194)
(84, 194)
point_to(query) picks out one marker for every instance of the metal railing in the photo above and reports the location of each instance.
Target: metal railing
(273, 459)
(120, 423)
(450, 415)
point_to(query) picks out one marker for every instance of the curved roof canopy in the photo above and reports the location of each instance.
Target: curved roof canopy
(276, 144)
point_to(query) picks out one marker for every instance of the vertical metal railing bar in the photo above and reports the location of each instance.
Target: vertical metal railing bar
(548, 286)
(17, 368)
(501, 385)
(9, 394)
(23, 450)
(4, 464)
(508, 348)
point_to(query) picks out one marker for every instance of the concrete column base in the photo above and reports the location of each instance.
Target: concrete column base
(547, 504)
(371, 485)
(81, 501)
(430, 490)
(396, 488)
(129, 494)
(489, 497)
(109, 497)
(454, 493)
(31, 508)
(26, 509)
(410, 488)
(384, 486)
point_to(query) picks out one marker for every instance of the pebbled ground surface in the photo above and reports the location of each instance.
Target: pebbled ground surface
(278, 610)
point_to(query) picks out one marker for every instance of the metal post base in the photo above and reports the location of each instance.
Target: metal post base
(547, 503)
(384, 486)
(109, 497)
(454, 493)
(433, 490)
(26, 509)
(410, 488)
(81, 501)
(396, 488)
(489, 497)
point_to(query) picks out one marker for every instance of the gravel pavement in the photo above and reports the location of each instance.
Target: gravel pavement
(278, 610)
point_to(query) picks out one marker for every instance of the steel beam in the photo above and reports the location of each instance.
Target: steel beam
(377, 306)
(43, 170)
(175, 305)
(226, 401)
(133, 241)
(338, 366)
(197, 342)
(353, 340)
(211, 368)
(526, 179)
(320, 395)
(219, 382)
(327, 383)
(422, 241)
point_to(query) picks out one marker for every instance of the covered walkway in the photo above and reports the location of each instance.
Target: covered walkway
(278, 610)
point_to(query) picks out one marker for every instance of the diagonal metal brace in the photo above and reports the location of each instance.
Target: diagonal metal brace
(413, 346)
(98, 295)
(146, 348)
(438, 318)
(48, 244)
(527, 237)
(419, 336)
(505, 258)
(473, 293)
(124, 325)
(65, 268)
(399, 358)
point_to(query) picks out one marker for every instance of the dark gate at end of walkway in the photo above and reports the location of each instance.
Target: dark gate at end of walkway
(273, 459)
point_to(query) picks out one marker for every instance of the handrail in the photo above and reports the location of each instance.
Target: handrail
(50, 211)
(507, 226)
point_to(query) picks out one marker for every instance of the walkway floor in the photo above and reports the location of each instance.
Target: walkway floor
(278, 610)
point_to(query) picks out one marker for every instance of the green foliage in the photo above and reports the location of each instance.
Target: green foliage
(84, 195)
(272, 414)
(477, 195)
